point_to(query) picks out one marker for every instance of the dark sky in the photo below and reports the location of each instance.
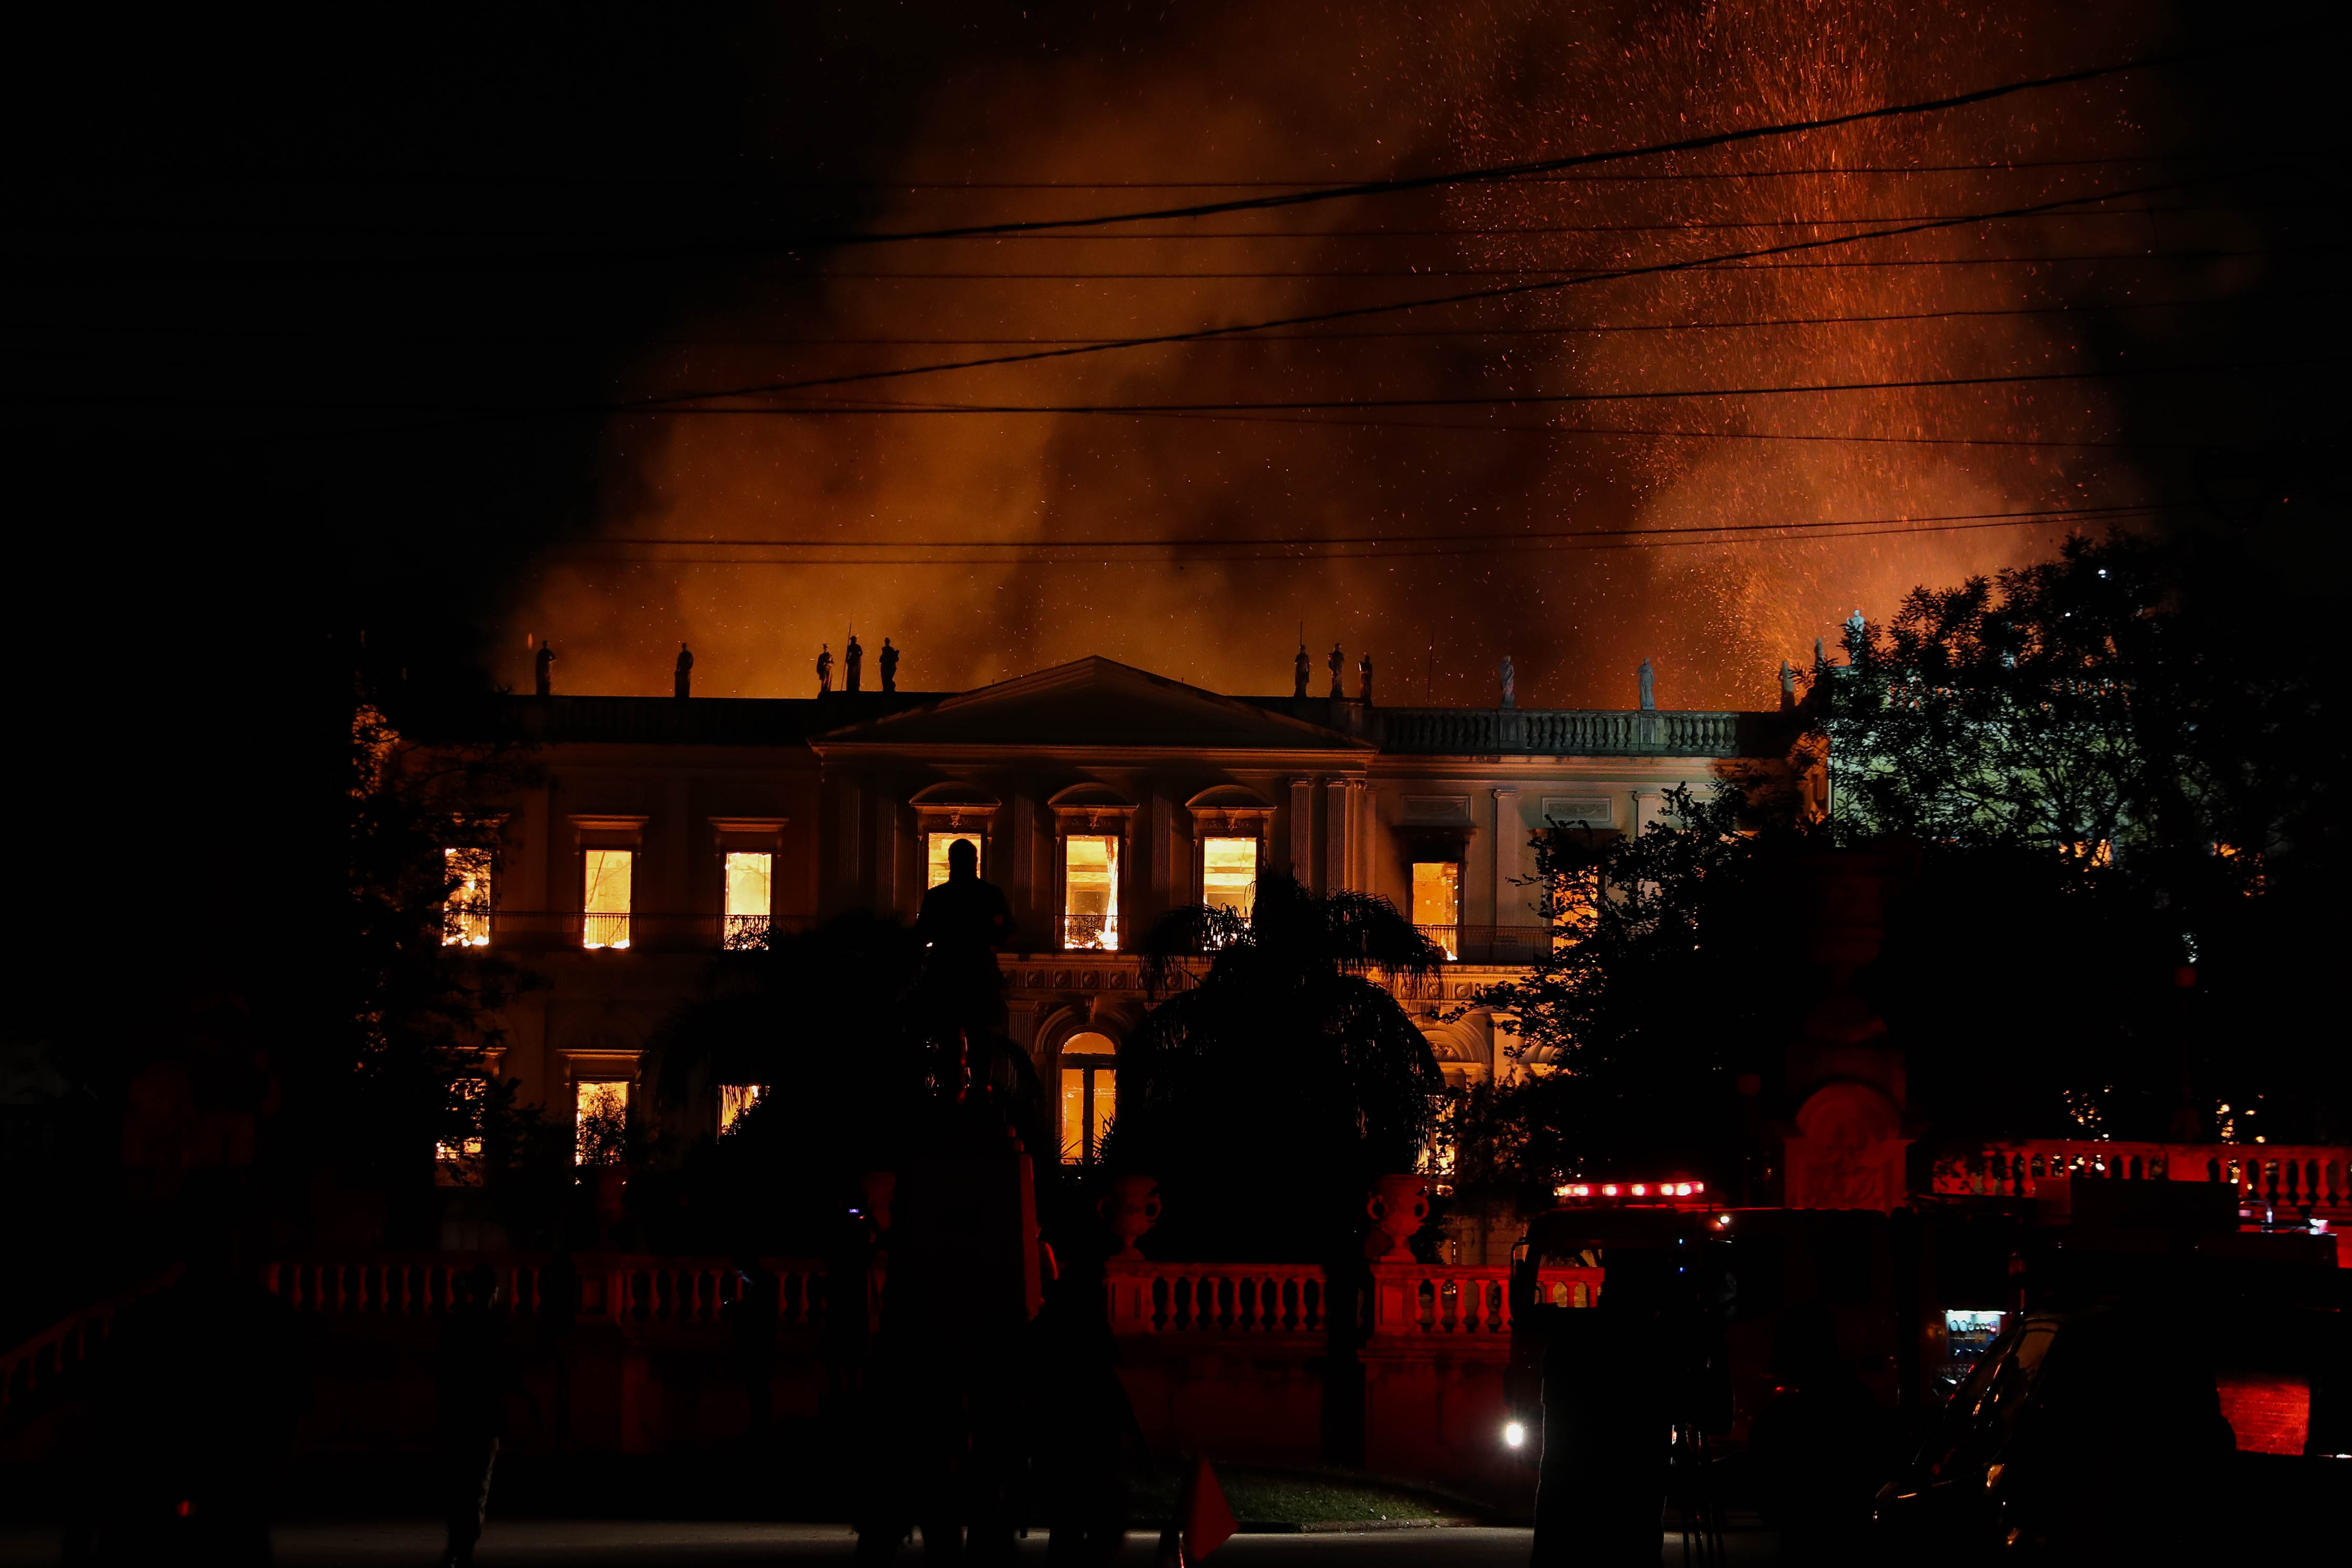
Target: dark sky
(330, 326)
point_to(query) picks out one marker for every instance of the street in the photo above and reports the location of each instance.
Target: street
(623, 1544)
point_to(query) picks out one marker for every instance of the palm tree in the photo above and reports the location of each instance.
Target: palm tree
(1267, 1091)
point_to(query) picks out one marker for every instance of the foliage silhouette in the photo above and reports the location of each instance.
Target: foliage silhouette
(1276, 1077)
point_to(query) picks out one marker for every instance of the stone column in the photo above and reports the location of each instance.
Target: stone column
(1360, 834)
(1508, 834)
(1336, 835)
(886, 811)
(848, 806)
(1302, 831)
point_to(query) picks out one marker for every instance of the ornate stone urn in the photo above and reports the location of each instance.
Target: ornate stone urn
(1132, 1207)
(1397, 1206)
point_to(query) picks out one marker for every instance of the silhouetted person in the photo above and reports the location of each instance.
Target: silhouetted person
(544, 671)
(1812, 1447)
(472, 1376)
(1364, 678)
(682, 677)
(1299, 669)
(1615, 1381)
(824, 667)
(886, 661)
(852, 658)
(1338, 662)
(962, 924)
(751, 1321)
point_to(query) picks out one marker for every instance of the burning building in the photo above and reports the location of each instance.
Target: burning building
(663, 832)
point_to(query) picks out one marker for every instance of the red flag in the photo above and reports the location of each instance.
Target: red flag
(1206, 1518)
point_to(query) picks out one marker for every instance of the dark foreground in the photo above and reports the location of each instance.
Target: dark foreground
(608, 1543)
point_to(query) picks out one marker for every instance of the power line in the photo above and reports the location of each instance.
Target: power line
(1725, 535)
(1492, 400)
(1353, 312)
(376, 232)
(1449, 536)
(1495, 172)
(1387, 274)
(343, 176)
(14, 331)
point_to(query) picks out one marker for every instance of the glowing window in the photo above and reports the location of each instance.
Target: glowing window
(605, 897)
(750, 879)
(466, 913)
(734, 1099)
(935, 855)
(600, 1122)
(457, 1155)
(1229, 874)
(1090, 892)
(1437, 903)
(1089, 1095)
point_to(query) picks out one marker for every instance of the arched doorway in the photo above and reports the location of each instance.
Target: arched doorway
(1089, 1072)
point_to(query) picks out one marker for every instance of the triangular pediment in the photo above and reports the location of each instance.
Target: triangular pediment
(1094, 703)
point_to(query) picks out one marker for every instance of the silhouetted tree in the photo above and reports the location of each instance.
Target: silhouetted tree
(1667, 974)
(1266, 1089)
(2120, 777)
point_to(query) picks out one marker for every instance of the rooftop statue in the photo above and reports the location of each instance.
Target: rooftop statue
(544, 671)
(1301, 665)
(1649, 687)
(1338, 661)
(1788, 686)
(824, 667)
(852, 657)
(682, 677)
(1364, 678)
(886, 661)
(1510, 683)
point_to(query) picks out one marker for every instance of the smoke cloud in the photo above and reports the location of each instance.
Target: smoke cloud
(1315, 92)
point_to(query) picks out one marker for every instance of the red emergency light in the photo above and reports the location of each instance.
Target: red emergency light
(1676, 1194)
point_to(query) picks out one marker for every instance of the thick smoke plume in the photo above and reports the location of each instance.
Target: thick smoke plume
(1312, 92)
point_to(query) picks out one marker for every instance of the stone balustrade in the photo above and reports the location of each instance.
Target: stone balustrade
(619, 1288)
(2291, 1176)
(34, 1370)
(1257, 1302)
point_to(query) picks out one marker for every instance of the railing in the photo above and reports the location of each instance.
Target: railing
(1469, 1302)
(1465, 1300)
(37, 1366)
(2293, 1176)
(1216, 1299)
(617, 1288)
(1491, 944)
(1090, 933)
(604, 930)
(1560, 731)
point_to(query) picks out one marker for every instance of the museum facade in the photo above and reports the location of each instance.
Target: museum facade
(659, 832)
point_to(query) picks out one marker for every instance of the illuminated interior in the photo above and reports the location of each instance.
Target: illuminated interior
(600, 1121)
(605, 897)
(750, 879)
(465, 916)
(734, 1099)
(1437, 903)
(1089, 1095)
(935, 855)
(1229, 874)
(449, 1151)
(1090, 892)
